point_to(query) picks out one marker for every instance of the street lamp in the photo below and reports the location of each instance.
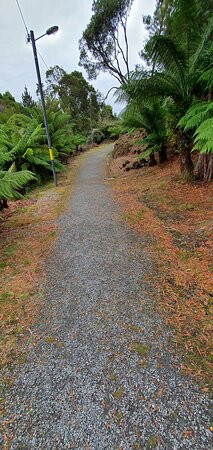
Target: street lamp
(31, 38)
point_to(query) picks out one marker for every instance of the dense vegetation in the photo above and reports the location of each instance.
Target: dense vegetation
(170, 93)
(177, 84)
(76, 115)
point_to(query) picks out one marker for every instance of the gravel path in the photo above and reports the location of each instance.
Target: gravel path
(101, 376)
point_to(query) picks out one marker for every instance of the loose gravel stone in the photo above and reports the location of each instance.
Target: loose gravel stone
(101, 376)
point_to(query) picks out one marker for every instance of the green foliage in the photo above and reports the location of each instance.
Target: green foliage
(117, 130)
(8, 106)
(95, 136)
(76, 97)
(151, 117)
(100, 47)
(12, 182)
(179, 52)
(78, 140)
(27, 100)
(179, 62)
(23, 152)
(200, 118)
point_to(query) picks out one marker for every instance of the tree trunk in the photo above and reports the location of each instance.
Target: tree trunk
(3, 204)
(186, 164)
(162, 154)
(204, 167)
(152, 160)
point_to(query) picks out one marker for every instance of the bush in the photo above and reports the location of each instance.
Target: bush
(95, 136)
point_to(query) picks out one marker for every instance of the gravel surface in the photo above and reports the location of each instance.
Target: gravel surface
(101, 376)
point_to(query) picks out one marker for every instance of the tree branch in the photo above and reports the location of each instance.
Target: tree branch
(114, 87)
(124, 25)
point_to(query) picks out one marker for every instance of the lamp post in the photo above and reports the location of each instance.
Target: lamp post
(31, 38)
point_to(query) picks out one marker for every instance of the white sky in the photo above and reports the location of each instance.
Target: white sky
(72, 16)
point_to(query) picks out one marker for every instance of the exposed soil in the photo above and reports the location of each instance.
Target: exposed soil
(178, 219)
(129, 143)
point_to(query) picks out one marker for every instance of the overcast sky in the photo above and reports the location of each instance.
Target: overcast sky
(72, 16)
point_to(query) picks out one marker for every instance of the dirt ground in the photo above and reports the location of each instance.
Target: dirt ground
(27, 230)
(178, 218)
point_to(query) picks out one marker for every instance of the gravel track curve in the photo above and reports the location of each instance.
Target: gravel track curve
(101, 376)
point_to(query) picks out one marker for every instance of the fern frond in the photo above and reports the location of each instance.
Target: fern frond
(207, 78)
(20, 120)
(166, 53)
(197, 114)
(10, 182)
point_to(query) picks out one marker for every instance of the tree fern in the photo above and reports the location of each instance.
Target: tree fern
(11, 182)
(200, 118)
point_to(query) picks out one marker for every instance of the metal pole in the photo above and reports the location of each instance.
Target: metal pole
(32, 38)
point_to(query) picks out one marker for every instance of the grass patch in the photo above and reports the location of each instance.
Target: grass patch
(186, 254)
(112, 376)
(152, 442)
(134, 218)
(26, 262)
(186, 207)
(6, 296)
(140, 349)
(3, 265)
(10, 250)
(119, 393)
(51, 340)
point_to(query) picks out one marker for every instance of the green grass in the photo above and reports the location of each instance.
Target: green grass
(186, 207)
(5, 296)
(3, 264)
(185, 255)
(52, 234)
(10, 250)
(26, 262)
(119, 393)
(141, 349)
(152, 442)
(138, 216)
(134, 218)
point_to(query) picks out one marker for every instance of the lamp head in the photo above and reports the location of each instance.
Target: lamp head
(52, 30)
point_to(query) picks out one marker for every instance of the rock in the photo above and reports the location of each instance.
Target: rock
(125, 163)
(143, 161)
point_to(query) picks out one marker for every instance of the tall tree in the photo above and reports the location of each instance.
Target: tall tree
(100, 46)
(27, 100)
(75, 95)
(53, 78)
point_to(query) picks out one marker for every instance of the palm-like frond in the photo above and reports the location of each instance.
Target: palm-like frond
(201, 46)
(204, 137)
(197, 114)
(171, 58)
(20, 120)
(200, 118)
(61, 119)
(11, 182)
(206, 78)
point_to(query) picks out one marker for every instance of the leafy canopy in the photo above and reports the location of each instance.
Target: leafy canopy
(100, 46)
